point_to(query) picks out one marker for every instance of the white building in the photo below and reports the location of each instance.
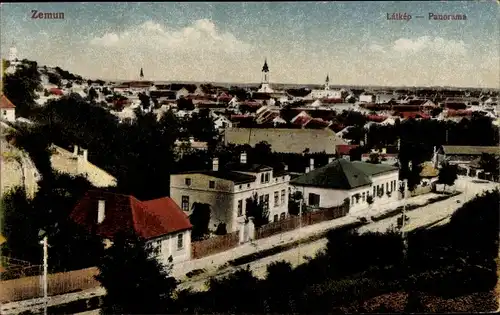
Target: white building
(366, 98)
(14, 60)
(325, 93)
(7, 109)
(222, 122)
(167, 232)
(227, 189)
(330, 185)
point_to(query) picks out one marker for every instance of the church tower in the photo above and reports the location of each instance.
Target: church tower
(327, 83)
(141, 75)
(13, 59)
(265, 79)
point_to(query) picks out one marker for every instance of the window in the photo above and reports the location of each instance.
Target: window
(283, 196)
(313, 200)
(211, 184)
(275, 218)
(185, 203)
(261, 199)
(262, 178)
(276, 198)
(180, 241)
(266, 202)
(5, 112)
(374, 192)
(363, 196)
(282, 216)
(248, 185)
(240, 186)
(267, 177)
(188, 181)
(386, 186)
(240, 208)
(353, 201)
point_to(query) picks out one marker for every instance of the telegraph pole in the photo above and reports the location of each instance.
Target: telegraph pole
(403, 224)
(300, 227)
(45, 245)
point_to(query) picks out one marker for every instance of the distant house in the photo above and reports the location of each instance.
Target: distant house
(181, 93)
(222, 122)
(56, 91)
(330, 185)
(286, 140)
(160, 222)
(76, 163)
(344, 150)
(383, 98)
(226, 189)
(7, 109)
(461, 155)
(366, 98)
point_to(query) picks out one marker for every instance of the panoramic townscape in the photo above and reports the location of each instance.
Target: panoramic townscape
(134, 189)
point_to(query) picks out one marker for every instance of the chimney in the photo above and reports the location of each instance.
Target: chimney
(243, 158)
(330, 160)
(307, 169)
(85, 154)
(215, 164)
(191, 139)
(75, 150)
(286, 167)
(100, 211)
(311, 164)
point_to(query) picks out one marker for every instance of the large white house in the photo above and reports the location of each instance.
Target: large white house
(160, 222)
(326, 92)
(331, 185)
(7, 109)
(226, 191)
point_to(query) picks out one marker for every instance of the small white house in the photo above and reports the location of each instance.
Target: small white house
(167, 232)
(366, 98)
(365, 185)
(222, 122)
(7, 109)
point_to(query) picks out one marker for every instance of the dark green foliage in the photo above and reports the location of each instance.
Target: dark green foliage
(92, 94)
(448, 174)
(185, 104)
(221, 229)
(20, 88)
(201, 127)
(255, 209)
(200, 218)
(135, 283)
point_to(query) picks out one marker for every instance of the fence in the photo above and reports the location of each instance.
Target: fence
(421, 190)
(294, 222)
(57, 283)
(214, 245)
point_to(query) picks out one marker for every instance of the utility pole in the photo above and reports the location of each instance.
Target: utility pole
(403, 224)
(45, 245)
(300, 227)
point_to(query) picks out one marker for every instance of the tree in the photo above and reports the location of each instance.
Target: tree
(92, 94)
(135, 282)
(145, 101)
(201, 127)
(257, 210)
(69, 85)
(374, 158)
(490, 164)
(20, 88)
(54, 78)
(294, 203)
(185, 104)
(448, 175)
(200, 219)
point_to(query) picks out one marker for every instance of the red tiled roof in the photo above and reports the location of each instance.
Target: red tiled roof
(331, 100)
(301, 120)
(123, 213)
(376, 118)
(455, 113)
(316, 123)
(56, 91)
(413, 115)
(6, 103)
(344, 149)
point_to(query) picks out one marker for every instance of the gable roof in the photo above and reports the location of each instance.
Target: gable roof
(124, 213)
(232, 176)
(342, 174)
(5, 103)
(469, 150)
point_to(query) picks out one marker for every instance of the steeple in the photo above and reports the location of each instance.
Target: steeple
(327, 82)
(265, 68)
(141, 75)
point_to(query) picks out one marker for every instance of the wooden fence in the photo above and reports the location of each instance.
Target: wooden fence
(57, 283)
(214, 245)
(307, 219)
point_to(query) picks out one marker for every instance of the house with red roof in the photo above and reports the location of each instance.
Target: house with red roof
(7, 109)
(160, 222)
(56, 91)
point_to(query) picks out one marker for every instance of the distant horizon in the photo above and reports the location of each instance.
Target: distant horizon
(355, 43)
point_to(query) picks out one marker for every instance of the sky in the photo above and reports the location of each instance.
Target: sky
(353, 42)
